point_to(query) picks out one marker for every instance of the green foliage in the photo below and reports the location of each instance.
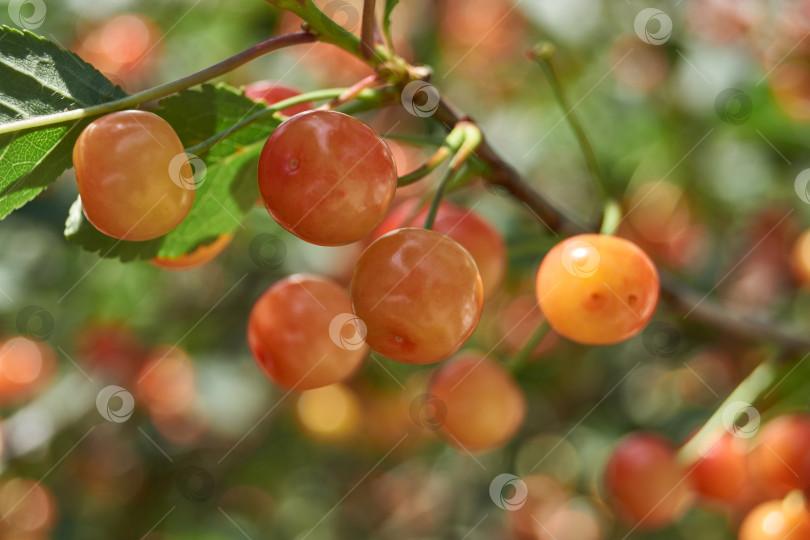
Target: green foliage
(223, 196)
(38, 77)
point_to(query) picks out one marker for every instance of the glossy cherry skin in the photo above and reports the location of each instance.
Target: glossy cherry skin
(272, 92)
(779, 460)
(645, 483)
(327, 177)
(125, 177)
(777, 520)
(199, 257)
(292, 336)
(419, 293)
(472, 231)
(484, 406)
(597, 289)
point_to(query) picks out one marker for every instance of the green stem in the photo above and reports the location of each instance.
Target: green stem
(437, 199)
(542, 55)
(611, 217)
(270, 111)
(746, 392)
(519, 360)
(462, 141)
(164, 90)
(426, 168)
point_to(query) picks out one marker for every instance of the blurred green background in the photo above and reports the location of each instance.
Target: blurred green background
(715, 117)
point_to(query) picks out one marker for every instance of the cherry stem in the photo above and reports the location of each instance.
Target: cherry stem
(611, 217)
(517, 362)
(272, 111)
(352, 92)
(437, 199)
(736, 403)
(226, 66)
(542, 55)
(367, 29)
(426, 168)
(462, 140)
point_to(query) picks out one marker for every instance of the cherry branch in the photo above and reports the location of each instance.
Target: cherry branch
(226, 66)
(677, 293)
(367, 29)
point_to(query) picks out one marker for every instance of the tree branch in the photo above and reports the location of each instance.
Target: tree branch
(226, 66)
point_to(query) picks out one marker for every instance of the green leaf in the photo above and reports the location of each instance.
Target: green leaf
(38, 77)
(386, 22)
(225, 194)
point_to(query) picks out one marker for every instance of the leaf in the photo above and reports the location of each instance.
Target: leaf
(386, 21)
(38, 77)
(223, 197)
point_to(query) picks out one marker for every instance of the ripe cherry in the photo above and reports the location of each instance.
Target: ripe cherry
(777, 520)
(272, 92)
(646, 484)
(483, 406)
(597, 289)
(133, 175)
(327, 177)
(26, 366)
(472, 231)
(779, 460)
(419, 294)
(303, 335)
(721, 473)
(199, 257)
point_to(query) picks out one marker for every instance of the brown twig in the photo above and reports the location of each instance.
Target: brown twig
(367, 29)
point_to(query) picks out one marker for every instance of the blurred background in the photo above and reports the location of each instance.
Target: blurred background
(699, 117)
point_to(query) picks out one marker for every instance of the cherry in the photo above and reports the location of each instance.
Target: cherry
(124, 47)
(777, 520)
(472, 231)
(132, 175)
(201, 256)
(302, 333)
(28, 508)
(419, 294)
(779, 459)
(166, 382)
(800, 259)
(484, 406)
(26, 366)
(327, 177)
(273, 92)
(544, 497)
(597, 289)
(721, 473)
(112, 349)
(646, 485)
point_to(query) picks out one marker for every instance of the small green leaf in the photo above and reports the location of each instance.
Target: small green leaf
(38, 77)
(225, 194)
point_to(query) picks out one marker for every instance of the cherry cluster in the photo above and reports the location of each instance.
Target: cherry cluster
(757, 479)
(416, 294)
